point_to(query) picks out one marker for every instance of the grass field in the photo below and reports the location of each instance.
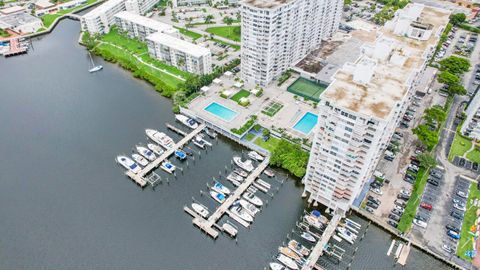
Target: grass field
(465, 242)
(270, 145)
(229, 32)
(272, 108)
(50, 18)
(474, 155)
(188, 33)
(460, 145)
(240, 94)
(307, 89)
(249, 137)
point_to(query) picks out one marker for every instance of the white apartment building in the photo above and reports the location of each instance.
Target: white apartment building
(100, 19)
(137, 26)
(179, 53)
(178, 3)
(279, 33)
(361, 108)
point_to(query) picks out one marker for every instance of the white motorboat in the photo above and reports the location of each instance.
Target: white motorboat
(148, 154)
(245, 165)
(309, 237)
(259, 187)
(263, 183)
(287, 261)
(210, 133)
(250, 208)
(276, 266)
(219, 197)
(198, 141)
(161, 138)
(168, 167)
(186, 121)
(128, 164)
(155, 148)
(298, 248)
(289, 253)
(346, 235)
(249, 196)
(239, 211)
(233, 181)
(240, 172)
(313, 221)
(140, 159)
(218, 187)
(256, 156)
(200, 209)
(234, 176)
(269, 173)
(232, 231)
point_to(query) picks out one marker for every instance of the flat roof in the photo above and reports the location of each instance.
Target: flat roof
(266, 3)
(12, 9)
(144, 21)
(44, 4)
(382, 75)
(102, 8)
(178, 44)
(14, 20)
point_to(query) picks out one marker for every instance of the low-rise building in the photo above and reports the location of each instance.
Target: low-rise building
(71, 4)
(21, 23)
(12, 10)
(179, 53)
(140, 27)
(179, 3)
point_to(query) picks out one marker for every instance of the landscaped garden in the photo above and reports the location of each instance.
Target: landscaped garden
(229, 32)
(414, 201)
(272, 108)
(459, 146)
(465, 242)
(239, 95)
(188, 33)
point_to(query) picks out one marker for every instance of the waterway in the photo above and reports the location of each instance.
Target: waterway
(65, 204)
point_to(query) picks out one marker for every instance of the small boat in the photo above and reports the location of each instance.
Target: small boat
(218, 187)
(287, 261)
(186, 121)
(161, 138)
(210, 133)
(198, 141)
(256, 156)
(298, 248)
(219, 197)
(148, 154)
(276, 266)
(313, 221)
(168, 167)
(180, 154)
(155, 148)
(259, 187)
(235, 177)
(245, 165)
(263, 183)
(269, 173)
(187, 151)
(200, 209)
(128, 164)
(289, 253)
(233, 181)
(239, 211)
(249, 196)
(309, 237)
(140, 159)
(232, 231)
(240, 172)
(250, 208)
(346, 235)
(94, 68)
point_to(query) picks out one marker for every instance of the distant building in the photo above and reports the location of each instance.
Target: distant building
(279, 33)
(21, 23)
(360, 110)
(179, 53)
(140, 27)
(177, 3)
(71, 4)
(12, 10)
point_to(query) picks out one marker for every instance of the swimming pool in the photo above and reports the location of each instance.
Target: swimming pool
(221, 111)
(306, 123)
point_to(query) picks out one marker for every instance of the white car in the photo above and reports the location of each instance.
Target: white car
(399, 208)
(405, 192)
(420, 223)
(376, 191)
(459, 206)
(462, 194)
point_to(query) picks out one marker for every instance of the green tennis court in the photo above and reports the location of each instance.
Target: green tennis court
(307, 89)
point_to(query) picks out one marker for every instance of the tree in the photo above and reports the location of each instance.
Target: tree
(456, 89)
(90, 41)
(427, 160)
(290, 157)
(458, 18)
(227, 20)
(209, 18)
(2, 3)
(435, 113)
(428, 137)
(448, 78)
(455, 65)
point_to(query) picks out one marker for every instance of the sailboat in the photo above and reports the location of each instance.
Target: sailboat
(94, 68)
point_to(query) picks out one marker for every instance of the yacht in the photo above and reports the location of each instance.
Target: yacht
(309, 237)
(313, 221)
(298, 248)
(218, 187)
(235, 177)
(232, 231)
(155, 148)
(168, 167)
(287, 261)
(276, 266)
(146, 153)
(161, 138)
(128, 164)
(269, 173)
(233, 181)
(239, 211)
(240, 172)
(210, 133)
(198, 141)
(180, 154)
(250, 208)
(186, 121)
(289, 253)
(140, 159)
(219, 197)
(200, 209)
(256, 156)
(346, 235)
(245, 165)
(249, 196)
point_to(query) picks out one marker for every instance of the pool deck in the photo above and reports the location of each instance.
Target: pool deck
(286, 118)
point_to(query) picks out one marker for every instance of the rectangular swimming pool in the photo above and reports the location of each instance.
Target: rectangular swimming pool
(221, 111)
(306, 123)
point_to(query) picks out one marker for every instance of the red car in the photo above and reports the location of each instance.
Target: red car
(425, 205)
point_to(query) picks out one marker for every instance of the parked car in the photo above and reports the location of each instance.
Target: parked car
(399, 203)
(453, 234)
(452, 227)
(457, 200)
(399, 208)
(403, 197)
(405, 192)
(425, 205)
(456, 215)
(459, 206)
(392, 223)
(369, 209)
(447, 248)
(372, 205)
(376, 191)
(420, 223)
(389, 158)
(396, 212)
(394, 217)
(462, 194)
(432, 182)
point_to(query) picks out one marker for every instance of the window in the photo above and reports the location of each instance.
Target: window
(348, 129)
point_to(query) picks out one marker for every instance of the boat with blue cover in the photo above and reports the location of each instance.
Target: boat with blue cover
(180, 154)
(168, 167)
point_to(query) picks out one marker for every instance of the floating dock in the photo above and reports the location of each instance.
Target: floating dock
(402, 259)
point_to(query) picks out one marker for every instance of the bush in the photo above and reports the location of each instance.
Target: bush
(246, 127)
(290, 157)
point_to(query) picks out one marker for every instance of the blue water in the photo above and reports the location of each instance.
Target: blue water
(221, 111)
(308, 121)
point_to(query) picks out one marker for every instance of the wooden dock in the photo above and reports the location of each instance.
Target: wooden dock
(402, 259)
(208, 225)
(139, 177)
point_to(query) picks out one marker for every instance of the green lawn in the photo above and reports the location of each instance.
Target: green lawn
(249, 137)
(307, 89)
(460, 145)
(270, 145)
(50, 18)
(465, 242)
(414, 201)
(188, 33)
(240, 94)
(229, 32)
(4, 33)
(474, 155)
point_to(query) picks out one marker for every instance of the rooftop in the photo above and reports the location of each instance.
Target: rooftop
(12, 9)
(178, 44)
(266, 3)
(103, 7)
(382, 75)
(14, 20)
(147, 22)
(44, 4)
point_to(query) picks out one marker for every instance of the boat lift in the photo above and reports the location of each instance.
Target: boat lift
(153, 179)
